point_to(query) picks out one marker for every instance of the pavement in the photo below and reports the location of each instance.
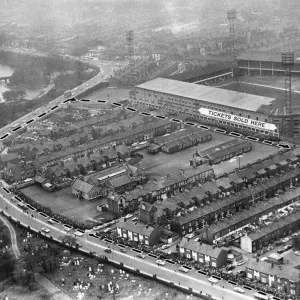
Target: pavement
(197, 282)
(13, 237)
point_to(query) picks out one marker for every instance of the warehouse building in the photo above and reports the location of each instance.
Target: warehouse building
(225, 151)
(180, 140)
(218, 106)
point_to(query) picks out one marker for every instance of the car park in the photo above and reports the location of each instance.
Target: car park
(239, 290)
(160, 262)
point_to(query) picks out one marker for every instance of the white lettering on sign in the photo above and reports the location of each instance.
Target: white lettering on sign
(237, 119)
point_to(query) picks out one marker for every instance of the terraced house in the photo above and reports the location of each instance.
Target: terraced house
(203, 253)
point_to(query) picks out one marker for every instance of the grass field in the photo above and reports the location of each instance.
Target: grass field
(253, 85)
(63, 202)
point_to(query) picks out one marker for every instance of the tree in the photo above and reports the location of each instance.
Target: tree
(69, 240)
(7, 263)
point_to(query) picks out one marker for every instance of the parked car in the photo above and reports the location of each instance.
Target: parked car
(108, 250)
(165, 247)
(183, 269)
(160, 262)
(239, 290)
(78, 233)
(46, 230)
(240, 263)
(123, 250)
(213, 280)
(141, 255)
(281, 250)
(128, 216)
(297, 253)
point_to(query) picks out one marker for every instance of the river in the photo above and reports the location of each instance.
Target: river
(8, 71)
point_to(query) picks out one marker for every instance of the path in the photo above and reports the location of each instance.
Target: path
(12, 236)
(56, 293)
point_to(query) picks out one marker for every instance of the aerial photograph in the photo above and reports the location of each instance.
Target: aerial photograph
(149, 149)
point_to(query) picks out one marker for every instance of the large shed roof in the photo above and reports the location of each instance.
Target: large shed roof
(206, 93)
(263, 56)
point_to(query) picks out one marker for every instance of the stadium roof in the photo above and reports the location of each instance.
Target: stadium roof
(263, 56)
(206, 93)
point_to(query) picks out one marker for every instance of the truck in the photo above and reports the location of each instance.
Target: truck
(68, 94)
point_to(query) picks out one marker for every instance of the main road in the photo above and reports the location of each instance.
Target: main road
(198, 282)
(105, 70)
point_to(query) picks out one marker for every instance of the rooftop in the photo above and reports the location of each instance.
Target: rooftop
(135, 227)
(286, 271)
(262, 56)
(206, 93)
(200, 248)
(274, 226)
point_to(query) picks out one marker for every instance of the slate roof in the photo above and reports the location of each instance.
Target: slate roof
(139, 228)
(202, 249)
(82, 186)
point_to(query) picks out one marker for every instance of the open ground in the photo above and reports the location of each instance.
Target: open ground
(63, 202)
(162, 164)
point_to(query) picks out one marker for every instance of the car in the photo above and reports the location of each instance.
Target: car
(160, 262)
(287, 247)
(78, 233)
(108, 250)
(183, 269)
(46, 230)
(297, 253)
(213, 280)
(281, 250)
(134, 219)
(165, 247)
(239, 290)
(128, 216)
(191, 235)
(230, 267)
(141, 255)
(123, 250)
(240, 263)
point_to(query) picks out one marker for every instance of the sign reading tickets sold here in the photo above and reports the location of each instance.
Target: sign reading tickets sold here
(237, 119)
